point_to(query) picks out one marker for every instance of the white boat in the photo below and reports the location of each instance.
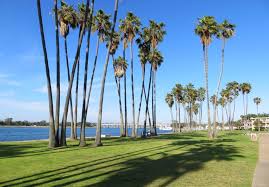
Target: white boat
(165, 128)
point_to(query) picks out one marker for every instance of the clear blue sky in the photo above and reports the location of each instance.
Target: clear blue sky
(22, 77)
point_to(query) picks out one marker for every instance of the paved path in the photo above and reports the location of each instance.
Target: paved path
(261, 175)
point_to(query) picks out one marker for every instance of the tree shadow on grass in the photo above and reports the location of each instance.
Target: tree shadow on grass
(138, 168)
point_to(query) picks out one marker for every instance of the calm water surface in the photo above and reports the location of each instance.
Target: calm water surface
(35, 133)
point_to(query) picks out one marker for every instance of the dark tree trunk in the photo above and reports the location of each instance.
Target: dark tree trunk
(73, 134)
(91, 82)
(125, 102)
(142, 93)
(132, 80)
(63, 139)
(120, 105)
(147, 103)
(82, 141)
(52, 140)
(154, 104)
(57, 117)
(100, 112)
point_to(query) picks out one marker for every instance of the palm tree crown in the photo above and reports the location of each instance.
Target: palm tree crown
(226, 30)
(206, 28)
(67, 16)
(169, 99)
(156, 59)
(257, 100)
(120, 66)
(101, 24)
(245, 88)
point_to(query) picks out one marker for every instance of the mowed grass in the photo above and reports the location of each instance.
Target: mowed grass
(187, 159)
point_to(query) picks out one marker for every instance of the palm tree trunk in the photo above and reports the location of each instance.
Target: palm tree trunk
(57, 117)
(147, 104)
(63, 139)
(222, 118)
(205, 48)
(52, 140)
(179, 121)
(72, 136)
(233, 112)
(246, 104)
(141, 95)
(218, 88)
(172, 118)
(244, 107)
(134, 133)
(99, 123)
(82, 141)
(76, 97)
(120, 105)
(92, 77)
(154, 102)
(125, 102)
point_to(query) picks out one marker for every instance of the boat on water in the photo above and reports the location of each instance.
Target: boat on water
(165, 128)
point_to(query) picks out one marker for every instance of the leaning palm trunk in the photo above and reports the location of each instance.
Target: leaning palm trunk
(82, 141)
(120, 105)
(147, 104)
(76, 98)
(154, 102)
(125, 102)
(92, 77)
(100, 112)
(63, 139)
(141, 95)
(218, 88)
(205, 48)
(73, 134)
(134, 133)
(52, 141)
(57, 117)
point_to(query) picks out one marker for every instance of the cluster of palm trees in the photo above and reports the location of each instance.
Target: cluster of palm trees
(190, 100)
(131, 32)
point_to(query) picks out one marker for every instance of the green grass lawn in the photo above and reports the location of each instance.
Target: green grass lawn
(188, 159)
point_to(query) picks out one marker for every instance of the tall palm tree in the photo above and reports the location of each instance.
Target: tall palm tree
(226, 31)
(169, 99)
(226, 94)
(234, 88)
(82, 141)
(120, 65)
(222, 102)
(154, 34)
(130, 27)
(67, 17)
(245, 90)
(64, 121)
(206, 29)
(257, 101)
(200, 99)
(156, 59)
(102, 26)
(52, 140)
(100, 112)
(191, 96)
(57, 114)
(177, 91)
(144, 50)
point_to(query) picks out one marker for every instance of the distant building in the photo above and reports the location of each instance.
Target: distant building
(249, 124)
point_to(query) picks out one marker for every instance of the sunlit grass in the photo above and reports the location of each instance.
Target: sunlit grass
(169, 160)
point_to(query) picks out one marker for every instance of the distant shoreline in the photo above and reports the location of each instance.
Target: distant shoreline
(11, 126)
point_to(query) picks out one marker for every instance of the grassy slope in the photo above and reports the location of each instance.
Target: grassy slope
(169, 160)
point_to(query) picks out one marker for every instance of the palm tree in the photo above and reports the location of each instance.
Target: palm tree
(191, 96)
(226, 94)
(222, 101)
(52, 140)
(257, 101)
(144, 50)
(206, 29)
(63, 135)
(67, 17)
(154, 34)
(234, 88)
(177, 92)
(130, 27)
(101, 25)
(120, 66)
(200, 99)
(100, 112)
(245, 89)
(57, 115)
(169, 99)
(82, 141)
(156, 59)
(226, 31)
